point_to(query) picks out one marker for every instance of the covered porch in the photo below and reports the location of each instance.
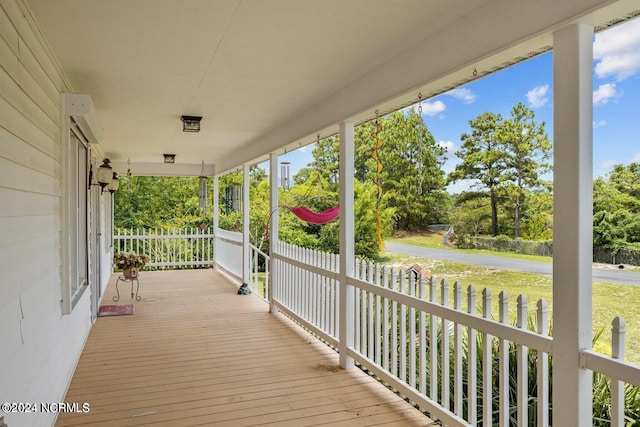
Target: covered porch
(196, 353)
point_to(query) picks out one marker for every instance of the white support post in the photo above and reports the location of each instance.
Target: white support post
(273, 230)
(216, 219)
(572, 223)
(246, 249)
(347, 254)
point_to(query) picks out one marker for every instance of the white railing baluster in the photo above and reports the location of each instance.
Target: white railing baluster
(487, 364)
(324, 286)
(457, 352)
(433, 342)
(503, 302)
(370, 319)
(304, 284)
(618, 331)
(357, 329)
(445, 380)
(423, 340)
(394, 325)
(472, 361)
(543, 366)
(412, 333)
(385, 320)
(403, 328)
(378, 333)
(334, 297)
(522, 365)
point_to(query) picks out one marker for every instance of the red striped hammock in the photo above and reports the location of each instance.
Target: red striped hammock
(312, 217)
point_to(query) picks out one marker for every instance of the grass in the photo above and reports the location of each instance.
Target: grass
(609, 300)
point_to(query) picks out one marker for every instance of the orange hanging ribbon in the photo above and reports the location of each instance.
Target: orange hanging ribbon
(376, 180)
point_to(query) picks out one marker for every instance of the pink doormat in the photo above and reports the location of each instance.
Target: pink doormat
(115, 310)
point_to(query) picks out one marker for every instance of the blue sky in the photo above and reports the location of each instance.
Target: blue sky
(616, 113)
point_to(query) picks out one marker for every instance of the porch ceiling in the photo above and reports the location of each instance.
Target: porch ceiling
(271, 74)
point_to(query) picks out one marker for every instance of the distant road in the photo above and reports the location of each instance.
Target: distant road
(503, 263)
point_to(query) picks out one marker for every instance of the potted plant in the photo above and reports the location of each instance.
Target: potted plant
(130, 263)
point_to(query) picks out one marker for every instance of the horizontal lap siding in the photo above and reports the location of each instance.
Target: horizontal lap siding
(40, 346)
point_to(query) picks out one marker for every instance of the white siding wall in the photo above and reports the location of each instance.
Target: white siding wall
(39, 347)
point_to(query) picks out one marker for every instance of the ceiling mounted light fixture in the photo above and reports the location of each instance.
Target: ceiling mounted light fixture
(190, 123)
(169, 158)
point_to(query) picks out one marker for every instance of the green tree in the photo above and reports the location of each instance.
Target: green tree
(365, 225)
(324, 166)
(412, 178)
(527, 149)
(537, 222)
(155, 201)
(470, 217)
(483, 160)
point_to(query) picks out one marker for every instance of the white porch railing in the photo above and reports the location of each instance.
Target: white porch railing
(229, 258)
(260, 272)
(430, 343)
(178, 248)
(229, 252)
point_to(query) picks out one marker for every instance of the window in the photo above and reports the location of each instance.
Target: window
(76, 232)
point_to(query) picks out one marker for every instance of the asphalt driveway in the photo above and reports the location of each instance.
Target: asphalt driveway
(600, 274)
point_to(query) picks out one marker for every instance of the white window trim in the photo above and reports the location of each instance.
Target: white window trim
(74, 245)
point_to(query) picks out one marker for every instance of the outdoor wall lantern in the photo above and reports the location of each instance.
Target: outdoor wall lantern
(114, 184)
(105, 174)
(169, 158)
(191, 123)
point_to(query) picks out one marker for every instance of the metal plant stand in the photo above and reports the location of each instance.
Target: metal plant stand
(125, 279)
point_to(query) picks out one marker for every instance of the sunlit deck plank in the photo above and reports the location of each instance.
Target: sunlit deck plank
(196, 353)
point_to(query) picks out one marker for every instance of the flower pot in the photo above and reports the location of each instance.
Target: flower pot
(130, 272)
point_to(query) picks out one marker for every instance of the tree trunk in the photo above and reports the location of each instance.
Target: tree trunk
(516, 231)
(494, 213)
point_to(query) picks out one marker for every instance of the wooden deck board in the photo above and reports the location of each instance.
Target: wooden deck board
(196, 353)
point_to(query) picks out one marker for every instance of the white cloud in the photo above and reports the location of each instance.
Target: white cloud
(433, 108)
(599, 124)
(608, 164)
(464, 94)
(611, 163)
(448, 145)
(538, 96)
(617, 51)
(604, 93)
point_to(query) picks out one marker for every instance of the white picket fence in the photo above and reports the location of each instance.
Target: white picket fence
(168, 249)
(429, 342)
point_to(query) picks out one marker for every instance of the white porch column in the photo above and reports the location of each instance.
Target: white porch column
(572, 223)
(347, 292)
(246, 250)
(216, 218)
(273, 229)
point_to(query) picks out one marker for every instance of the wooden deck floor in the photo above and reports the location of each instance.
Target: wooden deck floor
(196, 353)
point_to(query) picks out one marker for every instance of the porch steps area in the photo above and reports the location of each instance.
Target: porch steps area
(196, 353)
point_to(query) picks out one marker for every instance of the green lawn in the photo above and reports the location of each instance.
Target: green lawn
(609, 300)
